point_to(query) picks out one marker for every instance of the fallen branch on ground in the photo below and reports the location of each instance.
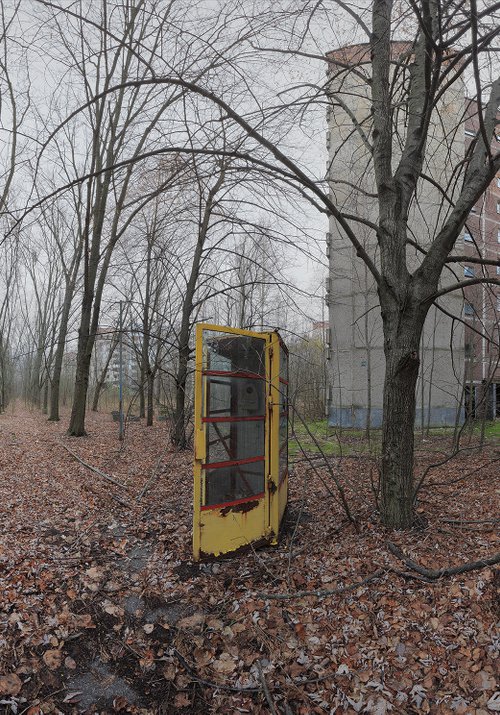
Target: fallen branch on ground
(112, 480)
(434, 574)
(319, 593)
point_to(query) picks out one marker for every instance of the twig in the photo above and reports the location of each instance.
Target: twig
(320, 594)
(375, 489)
(112, 480)
(269, 699)
(464, 476)
(439, 573)
(340, 488)
(297, 522)
(120, 500)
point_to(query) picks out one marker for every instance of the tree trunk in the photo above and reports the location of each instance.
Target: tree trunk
(55, 387)
(142, 399)
(45, 404)
(97, 392)
(77, 421)
(150, 397)
(400, 384)
(58, 359)
(179, 430)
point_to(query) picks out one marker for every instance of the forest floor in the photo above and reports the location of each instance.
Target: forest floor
(102, 609)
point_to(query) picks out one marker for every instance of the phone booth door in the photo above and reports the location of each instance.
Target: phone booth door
(232, 461)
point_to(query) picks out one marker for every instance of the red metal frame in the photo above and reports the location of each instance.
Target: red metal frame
(233, 462)
(251, 418)
(224, 504)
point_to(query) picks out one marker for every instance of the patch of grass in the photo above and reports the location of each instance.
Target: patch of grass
(491, 431)
(317, 436)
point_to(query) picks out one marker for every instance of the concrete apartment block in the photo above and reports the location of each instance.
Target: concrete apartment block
(356, 356)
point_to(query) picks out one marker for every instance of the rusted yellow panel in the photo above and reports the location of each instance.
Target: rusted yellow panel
(228, 528)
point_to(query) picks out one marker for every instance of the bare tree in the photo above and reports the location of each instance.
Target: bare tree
(402, 87)
(416, 76)
(115, 127)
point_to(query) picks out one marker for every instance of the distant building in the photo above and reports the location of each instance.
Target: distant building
(482, 302)
(450, 354)
(107, 352)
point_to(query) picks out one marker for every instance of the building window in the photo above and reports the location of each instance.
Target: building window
(468, 237)
(498, 207)
(468, 272)
(468, 309)
(498, 270)
(498, 302)
(498, 181)
(498, 235)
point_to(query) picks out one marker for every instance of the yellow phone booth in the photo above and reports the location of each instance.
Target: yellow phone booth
(240, 440)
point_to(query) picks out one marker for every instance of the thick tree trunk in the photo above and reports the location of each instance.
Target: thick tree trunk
(77, 420)
(402, 365)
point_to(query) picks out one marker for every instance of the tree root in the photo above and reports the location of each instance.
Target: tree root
(434, 574)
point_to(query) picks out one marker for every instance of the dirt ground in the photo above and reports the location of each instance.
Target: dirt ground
(102, 609)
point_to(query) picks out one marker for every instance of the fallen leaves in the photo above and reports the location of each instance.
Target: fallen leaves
(93, 590)
(193, 622)
(52, 659)
(493, 703)
(10, 684)
(225, 664)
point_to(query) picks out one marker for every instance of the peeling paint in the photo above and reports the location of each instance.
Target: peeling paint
(240, 508)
